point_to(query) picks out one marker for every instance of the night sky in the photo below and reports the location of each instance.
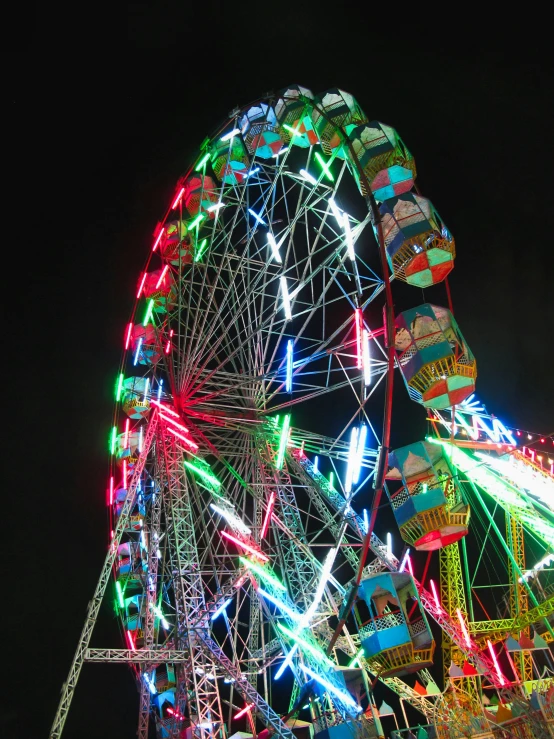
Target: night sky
(120, 105)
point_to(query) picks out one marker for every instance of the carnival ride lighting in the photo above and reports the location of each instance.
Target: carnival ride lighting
(187, 441)
(165, 409)
(282, 151)
(336, 211)
(252, 171)
(128, 336)
(362, 436)
(231, 519)
(196, 221)
(268, 513)
(359, 654)
(137, 354)
(274, 247)
(286, 662)
(288, 382)
(389, 544)
(332, 480)
(351, 462)
(150, 684)
(111, 490)
(159, 613)
(160, 388)
(119, 388)
(316, 465)
(348, 236)
(200, 251)
(366, 521)
(203, 474)
(323, 580)
(126, 434)
(325, 166)
(501, 677)
(175, 424)
(316, 652)
(119, 592)
(245, 546)
(247, 708)
(141, 285)
(463, 627)
(146, 384)
(178, 198)
(131, 641)
(292, 130)
(202, 162)
(215, 207)
(162, 276)
(359, 322)
(345, 698)
(230, 135)
(283, 442)
(435, 595)
(308, 177)
(113, 439)
(286, 298)
(268, 577)
(158, 239)
(257, 217)
(280, 605)
(141, 440)
(522, 475)
(366, 358)
(221, 609)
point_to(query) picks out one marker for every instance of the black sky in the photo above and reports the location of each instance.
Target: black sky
(114, 109)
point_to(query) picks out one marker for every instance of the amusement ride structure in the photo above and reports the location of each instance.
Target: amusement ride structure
(243, 559)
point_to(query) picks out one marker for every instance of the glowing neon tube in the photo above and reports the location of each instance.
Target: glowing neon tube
(119, 387)
(262, 573)
(463, 627)
(434, 591)
(160, 387)
(359, 321)
(404, 562)
(165, 409)
(178, 198)
(126, 436)
(345, 698)
(125, 474)
(141, 285)
(146, 384)
(283, 442)
(286, 298)
(111, 490)
(140, 441)
(351, 460)
(171, 420)
(316, 464)
(202, 162)
(274, 247)
(139, 345)
(257, 217)
(366, 358)
(158, 240)
(348, 237)
(128, 337)
(163, 274)
(230, 135)
(196, 221)
(220, 609)
(359, 653)
(112, 440)
(200, 251)
(288, 382)
(286, 662)
(496, 665)
(182, 438)
(360, 448)
(267, 518)
(247, 708)
(308, 177)
(292, 130)
(216, 206)
(325, 166)
(119, 592)
(323, 580)
(131, 642)
(280, 605)
(206, 475)
(389, 544)
(317, 653)
(409, 563)
(245, 546)
(336, 211)
(232, 519)
(148, 315)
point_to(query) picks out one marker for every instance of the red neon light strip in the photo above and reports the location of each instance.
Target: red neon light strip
(131, 642)
(409, 563)
(183, 438)
(267, 519)
(435, 596)
(158, 240)
(359, 321)
(141, 285)
(177, 199)
(463, 627)
(170, 420)
(162, 276)
(128, 339)
(497, 666)
(168, 347)
(125, 474)
(111, 490)
(165, 408)
(243, 545)
(244, 710)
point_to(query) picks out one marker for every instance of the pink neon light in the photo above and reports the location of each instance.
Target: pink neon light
(158, 240)
(168, 347)
(244, 710)
(267, 515)
(241, 581)
(463, 627)
(111, 490)
(409, 563)
(435, 596)
(141, 285)
(183, 438)
(176, 714)
(131, 642)
(128, 339)
(165, 408)
(125, 474)
(248, 548)
(170, 420)
(497, 666)
(359, 321)
(177, 199)
(126, 437)
(162, 276)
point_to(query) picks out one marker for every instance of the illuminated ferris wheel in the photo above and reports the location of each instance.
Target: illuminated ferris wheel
(250, 444)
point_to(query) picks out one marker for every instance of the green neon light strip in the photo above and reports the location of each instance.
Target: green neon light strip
(199, 218)
(262, 573)
(119, 387)
(202, 162)
(292, 130)
(283, 442)
(316, 653)
(324, 166)
(200, 251)
(359, 654)
(149, 310)
(119, 594)
(202, 473)
(112, 440)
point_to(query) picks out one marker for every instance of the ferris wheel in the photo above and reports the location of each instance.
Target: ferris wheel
(250, 443)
